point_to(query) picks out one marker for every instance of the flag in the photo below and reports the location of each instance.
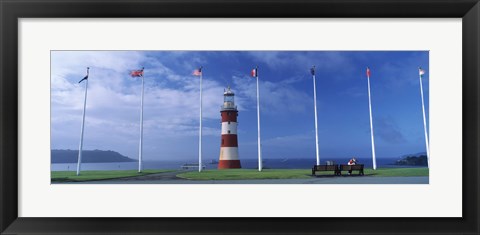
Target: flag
(86, 76)
(312, 70)
(368, 72)
(197, 72)
(254, 73)
(137, 73)
(421, 72)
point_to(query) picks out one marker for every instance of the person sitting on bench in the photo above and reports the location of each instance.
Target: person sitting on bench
(352, 161)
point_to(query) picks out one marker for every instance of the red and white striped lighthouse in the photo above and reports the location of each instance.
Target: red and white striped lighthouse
(229, 146)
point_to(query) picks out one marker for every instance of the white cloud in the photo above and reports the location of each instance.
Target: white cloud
(275, 98)
(286, 59)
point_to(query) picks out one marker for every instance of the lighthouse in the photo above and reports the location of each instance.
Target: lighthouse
(229, 145)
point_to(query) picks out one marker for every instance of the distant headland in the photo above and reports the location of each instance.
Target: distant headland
(419, 159)
(88, 156)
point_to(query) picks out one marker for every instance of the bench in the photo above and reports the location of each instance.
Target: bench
(357, 167)
(333, 168)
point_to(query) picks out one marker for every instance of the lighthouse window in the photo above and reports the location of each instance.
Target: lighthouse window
(228, 123)
(223, 141)
(228, 132)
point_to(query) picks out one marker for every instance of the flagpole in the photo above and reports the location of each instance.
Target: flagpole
(424, 121)
(258, 125)
(140, 145)
(200, 129)
(371, 123)
(80, 148)
(315, 108)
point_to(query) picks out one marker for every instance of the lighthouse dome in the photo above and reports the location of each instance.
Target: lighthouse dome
(228, 99)
(228, 92)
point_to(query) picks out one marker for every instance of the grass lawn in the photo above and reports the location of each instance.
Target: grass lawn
(237, 174)
(70, 176)
(386, 172)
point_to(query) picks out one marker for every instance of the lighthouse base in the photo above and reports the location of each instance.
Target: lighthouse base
(229, 164)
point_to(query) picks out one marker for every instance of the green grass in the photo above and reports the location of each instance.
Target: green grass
(388, 172)
(246, 174)
(232, 174)
(70, 176)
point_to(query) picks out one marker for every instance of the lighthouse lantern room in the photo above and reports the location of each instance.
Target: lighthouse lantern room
(229, 145)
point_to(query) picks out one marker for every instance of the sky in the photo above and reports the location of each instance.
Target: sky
(171, 102)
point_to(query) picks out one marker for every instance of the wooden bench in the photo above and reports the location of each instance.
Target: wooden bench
(357, 167)
(333, 168)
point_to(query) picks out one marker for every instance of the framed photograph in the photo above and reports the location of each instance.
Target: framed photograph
(202, 147)
(239, 117)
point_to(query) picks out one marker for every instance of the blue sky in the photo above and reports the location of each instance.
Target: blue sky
(286, 101)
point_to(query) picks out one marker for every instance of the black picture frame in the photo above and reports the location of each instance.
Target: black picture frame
(12, 10)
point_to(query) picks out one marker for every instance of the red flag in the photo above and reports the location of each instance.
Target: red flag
(421, 72)
(254, 73)
(368, 72)
(136, 73)
(197, 72)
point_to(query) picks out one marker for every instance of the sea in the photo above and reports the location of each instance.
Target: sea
(212, 164)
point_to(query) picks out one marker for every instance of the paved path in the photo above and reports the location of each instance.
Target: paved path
(170, 178)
